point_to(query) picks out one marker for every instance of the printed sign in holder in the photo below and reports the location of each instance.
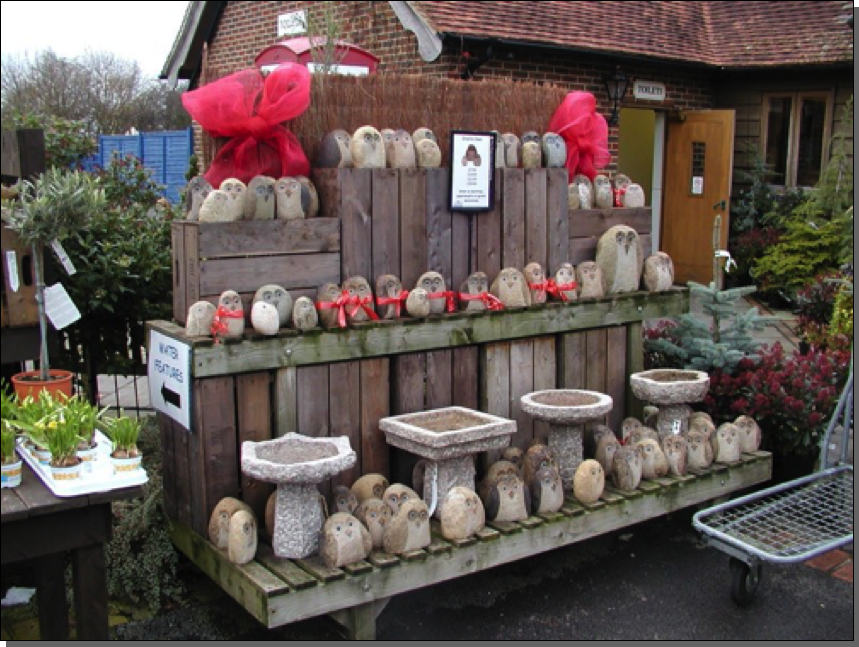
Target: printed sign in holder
(169, 369)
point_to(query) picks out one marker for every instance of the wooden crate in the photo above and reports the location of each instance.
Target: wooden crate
(18, 307)
(587, 225)
(209, 258)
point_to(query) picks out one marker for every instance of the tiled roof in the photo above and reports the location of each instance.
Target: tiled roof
(724, 34)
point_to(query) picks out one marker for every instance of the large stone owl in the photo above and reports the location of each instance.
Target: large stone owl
(236, 192)
(726, 444)
(200, 317)
(589, 482)
(423, 133)
(547, 490)
(400, 153)
(418, 304)
(198, 189)
(750, 434)
(219, 521)
(462, 514)
(511, 288)
(554, 150)
(313, 209)
(532, 155)
(566, 288)
(361, 299)
(589, 278)
(260, 200)
(390, 296)
(620, 256)
(369, 486)
(634, 196)
(654, 463)
(343, 540)
(477, 284)
(409, 529)
(304, 314)
(230, 315)
(243, 536)
(512, 147)
(397, 494)
(264, 318)
(603, 192)
(326, 296)
(700, 452)
(334, 151)
(427, 154)
(375, 514)
(574, 199)
(367, 148)
(279, 297)
(658, 272)
(536, 280)
(216, 208)
(626, 469)
(607, 447)
(508, 499)
(436, 290)
(292, 199)
(675, 449)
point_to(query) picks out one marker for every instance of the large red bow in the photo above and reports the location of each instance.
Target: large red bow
(585, 133)
(219, 327)
(449, 296)
(396, 301)
(489, 300)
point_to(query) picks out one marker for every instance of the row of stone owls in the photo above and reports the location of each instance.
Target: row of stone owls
(264, 198)
(604, 193)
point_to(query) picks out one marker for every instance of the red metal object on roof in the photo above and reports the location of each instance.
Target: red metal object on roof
(350, 57)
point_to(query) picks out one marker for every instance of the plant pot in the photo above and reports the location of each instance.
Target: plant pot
(88, 457)
(125, 466)
(11, 474)
(28, 383)
(69, 473)
(42, 455)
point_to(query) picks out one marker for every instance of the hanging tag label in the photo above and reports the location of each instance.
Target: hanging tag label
(59, 307)
(12, 270)
(68, 266)
(676, 426)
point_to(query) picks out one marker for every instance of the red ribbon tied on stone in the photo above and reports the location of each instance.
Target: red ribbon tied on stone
(357, 303)
(250, 109)
(449, 296)
(219, 326)
(339, 304)
(585, 133)
(396, 301)
(543, 286)
(618, 197)
(557, 291)
(489, 300)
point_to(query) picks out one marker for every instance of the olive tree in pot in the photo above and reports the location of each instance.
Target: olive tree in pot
(51, 207)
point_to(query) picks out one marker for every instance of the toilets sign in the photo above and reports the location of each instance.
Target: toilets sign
(169, 369)
(648, 90)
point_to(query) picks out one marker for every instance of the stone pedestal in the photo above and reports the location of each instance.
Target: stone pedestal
(567, 441)
(297, 520)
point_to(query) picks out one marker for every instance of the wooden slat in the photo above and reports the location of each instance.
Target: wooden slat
(438, 220)
(386, 227)
(344, 403)
(248, 274)
(31, 152)
(536, 213)
(317, 568)
(383, 560)
(168, 465)
(531, 522)
(296, 578)
(505, 527)
(571, 361)
(253, 391)
(185, 497)
(177, 247)
(408, 396)
(513, 219)
(285, 403)
(413, 215)
(634, 364)
(192, 270)
(356, 229)
(11, 159)
(414, 556)
(545, 377)
(465, 384)
(595, 360)
(463, 247)
(268, 237)
(313, 408)
(439, 381)
(327, 183)
(495, 386)
(375, 405)
(12, 505)
(557, 219)
(489, 235)
(585, 223)
(218, 439)
(487, 534)
(616, 377)
(521, 382)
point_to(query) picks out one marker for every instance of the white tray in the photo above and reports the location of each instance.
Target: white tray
(100, 479)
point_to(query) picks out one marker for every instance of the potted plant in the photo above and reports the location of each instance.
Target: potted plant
(62, 436)
(51, 207)
(10, 462)
(84, 416)
(33, 418)
(123, 432)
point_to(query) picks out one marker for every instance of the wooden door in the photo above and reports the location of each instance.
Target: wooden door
(699, 162)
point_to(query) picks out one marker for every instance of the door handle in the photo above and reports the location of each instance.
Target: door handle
(720, 205)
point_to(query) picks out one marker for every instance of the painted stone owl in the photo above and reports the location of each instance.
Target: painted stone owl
(462, 514)
(375, 514)
(427, 154)
(621, 182)
(565, 282)
(634, 196)
(658, 273)
(264, 318)
(198, 189)
(199, 320)
(498, 160)
(343, 500)
(477, 283)
(607, 447)
(243, 536)
(511, 288)
(307, 184)
(401, 151)
(642, 433)
(695, 415)
(574, 200)
(603, 192)
(231, 312)
(304, 314)
(343, 540)
(700, 452)
(589, 278)
(620, 256)
(369, 486)
(423, 133)
(629, 424)
(750, 434)
(593, 434)
(359, 289)
(389, 286)
(497, 471)
(418, 304)
(703, 425)
(435, 287)
(279, 297)
(367, 148)
(397, 494)
(537, 457)
(216, 208)
(675, 449)
(626, 469)
(651, 415)
(387, 139)
(237, 193)
(508, 499)
(589, 482)
(327, 293)
(532, 155)
(547, 490)
(260, 200)
(409, 529)
(585, 197)
(654, 464)
(334, 151)
(514, 455)
(530, 136)
(554, 150)
(219, 521)
(292, 199)
(512, 147)
(536, 280)
(726, 444)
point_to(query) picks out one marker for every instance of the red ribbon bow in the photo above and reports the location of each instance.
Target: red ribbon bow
(340, 304)
(618, 197)
(219, 327)
(449, 296)
(557, 291)
(540, 287)
(489, 300)
(396, 301)
(359, 303)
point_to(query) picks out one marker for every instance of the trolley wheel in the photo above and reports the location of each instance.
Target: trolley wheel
(745, 581)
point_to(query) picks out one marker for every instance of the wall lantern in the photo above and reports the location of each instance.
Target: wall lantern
(616, 85)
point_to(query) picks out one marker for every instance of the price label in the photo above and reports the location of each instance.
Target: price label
(676, 426)
(64, 259)
(12, 270)
(59, 307)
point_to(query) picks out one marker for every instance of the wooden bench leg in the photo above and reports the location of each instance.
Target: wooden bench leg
(90, 582)
(51, 597)
(360, 621)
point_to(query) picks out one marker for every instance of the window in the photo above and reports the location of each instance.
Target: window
(796, 131)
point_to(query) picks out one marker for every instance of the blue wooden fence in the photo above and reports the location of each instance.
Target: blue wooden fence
(166, 154)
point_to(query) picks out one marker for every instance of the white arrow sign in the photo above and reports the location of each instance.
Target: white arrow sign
(170, 377)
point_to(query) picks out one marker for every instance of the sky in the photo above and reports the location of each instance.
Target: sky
(140, 31)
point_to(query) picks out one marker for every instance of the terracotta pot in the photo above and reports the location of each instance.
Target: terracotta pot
(27, 383)
(11, 474)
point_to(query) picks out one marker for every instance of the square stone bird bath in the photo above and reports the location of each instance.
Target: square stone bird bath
(447, 438)
(567, 411)
(671, 390)
(296, 463)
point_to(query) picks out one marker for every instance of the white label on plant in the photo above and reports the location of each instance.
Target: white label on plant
(676, 426)
(60, 308)
(12, 270)
(68, 266)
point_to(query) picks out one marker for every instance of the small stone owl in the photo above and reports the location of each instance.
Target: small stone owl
(547, 490)
(199, 321)
(229, 308)
(423, 133)
(327, 293)
(264, 318)
(532, 155)
(584, 180)
(511, 288)
(619, 255)
(658, 273)
(362, 296)
(700, 452)
(537, 457)
(750, 434)
(554, 150)
(389, 286)
(476, 283)
(278, 297)
(334, 151)
(536, 280)
(401, 151)
(343, 500)
(242, 542)
(593, 434)
(574, 199)
(634, 196)
(417, 304)
(397, 494)
(306, 183)
(586, 195)
(367, 148)
(435, 287)
(462, 514)
(215, 208)
(726, 444)
(219, 521)
(607, 447)
(497, 471)
(675, 449)
(590, 280)
(304, 315)
(629, 425)
(427, 154)
(700, 414)
(514, 455)
(703, 425)
(530, 136)
(369, 486)
(409, 529)
(642, 433)
(260, 200)
(603, 192)
(292, 199)
(626, 469)
(651, 415)
(343, 540)
(508, 499)
(621, 182)
(565, 282)
(236, 192)
(589, 482)
(375, 514)
(499, 150)
(198, 189)
(387, 139)
(512, 147)
(654, 464)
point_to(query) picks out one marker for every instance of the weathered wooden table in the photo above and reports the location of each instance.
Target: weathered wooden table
(39, 526)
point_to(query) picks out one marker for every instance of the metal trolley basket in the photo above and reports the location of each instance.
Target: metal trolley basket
(790, 522)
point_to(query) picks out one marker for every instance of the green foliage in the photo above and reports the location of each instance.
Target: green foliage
(123, 432)
(127, 183)
(63, 438)
(842, 317)
(7, 445)
(193, 168)
(66, 140)
(756, 200)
